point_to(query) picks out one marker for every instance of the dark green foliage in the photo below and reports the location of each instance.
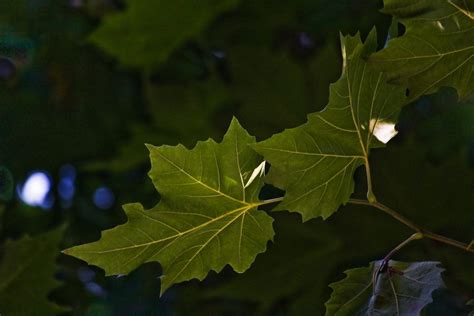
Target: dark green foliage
(89, 82)
(27, 274)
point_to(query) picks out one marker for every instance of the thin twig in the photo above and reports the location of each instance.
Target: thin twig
(426, 233)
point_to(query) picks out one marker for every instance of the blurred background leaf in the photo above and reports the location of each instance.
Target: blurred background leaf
(76, 118)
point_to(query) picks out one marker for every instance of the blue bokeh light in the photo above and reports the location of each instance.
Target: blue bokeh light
(95, 289)
(66, 187)
(85, 274)
(103, 198)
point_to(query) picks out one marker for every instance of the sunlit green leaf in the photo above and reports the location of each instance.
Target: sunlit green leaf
(399, 289)
(315, 162)
(207, 216)
(437, 48)
(27, 270)
(312, 246)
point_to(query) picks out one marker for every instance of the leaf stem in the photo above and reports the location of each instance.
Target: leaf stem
(415, 236)
(448, 241)
(269, 201)
(420, 232)
(425, 233)
(370, 193)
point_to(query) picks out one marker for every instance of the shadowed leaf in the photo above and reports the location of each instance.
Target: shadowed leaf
(146, 33)
(437, 48)
(27, 270)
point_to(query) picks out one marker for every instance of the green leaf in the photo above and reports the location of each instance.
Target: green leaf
(437, 48)
(27, 275)
(400, 289)
(207, 216)
(315, 162)
(312, 246)
(147, 32)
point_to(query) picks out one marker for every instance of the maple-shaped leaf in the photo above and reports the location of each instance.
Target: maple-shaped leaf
(27, 268)
(147, 32)
(314, 163)
(437, 48)
(399, 288)
(207, 216)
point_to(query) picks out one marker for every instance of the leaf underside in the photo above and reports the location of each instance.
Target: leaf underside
(207, 216)
(437, 49)
(404, 291)
(314, 163)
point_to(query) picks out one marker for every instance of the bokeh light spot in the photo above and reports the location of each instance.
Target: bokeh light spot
(103, 198)
(34, 191)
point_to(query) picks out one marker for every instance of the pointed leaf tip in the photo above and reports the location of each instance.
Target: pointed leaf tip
(315, 162)
(207, 217)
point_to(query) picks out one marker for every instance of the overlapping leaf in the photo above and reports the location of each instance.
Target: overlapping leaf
(27, 270)
(207, 216)
(148, 31)
(312, 246)
(315, 162)
(399, 289)
(437, 49)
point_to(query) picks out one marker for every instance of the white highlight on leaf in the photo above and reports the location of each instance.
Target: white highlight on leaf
(344, 57)
(259, 171)
(440, 25)
(384, 131)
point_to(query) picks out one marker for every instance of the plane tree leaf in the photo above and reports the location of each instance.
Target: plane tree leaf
(399, 288)
(147, 32)
(207, 216)
(27, 268)
(437, 48)
(314, 163)
(312, 246)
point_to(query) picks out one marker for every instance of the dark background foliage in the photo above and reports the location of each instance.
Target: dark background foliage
(81, 92)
